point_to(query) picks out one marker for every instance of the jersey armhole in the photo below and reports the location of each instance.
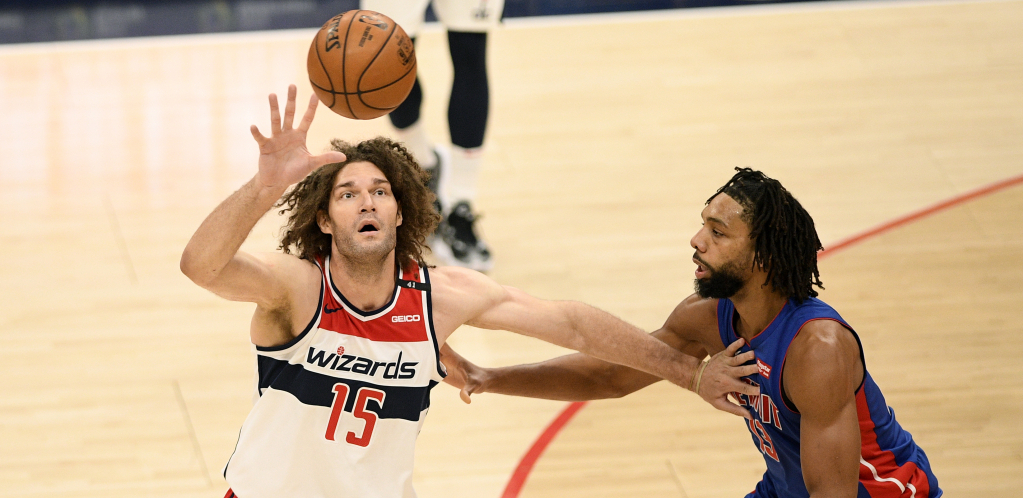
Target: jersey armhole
(781, 379)
(432, 330)
(312, 323)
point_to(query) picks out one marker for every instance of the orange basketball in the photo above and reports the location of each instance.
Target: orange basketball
(361, 64)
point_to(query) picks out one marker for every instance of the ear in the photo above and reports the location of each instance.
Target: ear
(323, 221)
(399, 216)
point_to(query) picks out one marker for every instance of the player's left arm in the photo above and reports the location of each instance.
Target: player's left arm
(821, 376)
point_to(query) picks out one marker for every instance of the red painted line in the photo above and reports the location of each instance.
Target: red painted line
(923, 213)
(521, 473)
(518, 478)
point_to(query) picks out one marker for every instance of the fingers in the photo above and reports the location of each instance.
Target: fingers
(744, 388)
(464, 394)
(275, 115)
(724, 405)
(289, 107)
(327, 158)
(740, 359)
(745, 370)
(310, 111)
(260, 139)
(734, 347)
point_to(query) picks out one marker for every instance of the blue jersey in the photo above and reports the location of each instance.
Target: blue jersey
(891, 464)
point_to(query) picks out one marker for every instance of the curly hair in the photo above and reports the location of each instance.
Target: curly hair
(785, 240)
(311, 196)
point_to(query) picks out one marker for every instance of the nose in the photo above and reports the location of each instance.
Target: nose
(368, 205)
(697, 242)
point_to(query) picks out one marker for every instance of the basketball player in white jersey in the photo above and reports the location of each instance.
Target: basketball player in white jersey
(348, 328)
(453, 174)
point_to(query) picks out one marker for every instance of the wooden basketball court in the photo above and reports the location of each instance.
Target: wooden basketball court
(607, 134)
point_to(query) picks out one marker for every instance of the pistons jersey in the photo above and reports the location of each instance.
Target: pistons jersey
(891, 464)
(340, 406)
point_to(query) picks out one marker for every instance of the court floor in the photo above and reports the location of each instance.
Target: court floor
(607, 134)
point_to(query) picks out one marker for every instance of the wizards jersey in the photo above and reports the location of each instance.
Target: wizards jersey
(340, 406)
(891, 464)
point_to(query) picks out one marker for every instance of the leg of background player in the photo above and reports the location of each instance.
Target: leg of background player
(468, 109)
(411, 132)
(409, 14)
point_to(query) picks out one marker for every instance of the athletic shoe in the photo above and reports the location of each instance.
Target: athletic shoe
(456, 242)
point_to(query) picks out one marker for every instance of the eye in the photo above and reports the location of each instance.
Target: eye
(347, 195)
(381, 192)
(716, 233)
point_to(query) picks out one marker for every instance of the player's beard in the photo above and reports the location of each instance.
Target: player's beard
(366, 256)
(722, 283)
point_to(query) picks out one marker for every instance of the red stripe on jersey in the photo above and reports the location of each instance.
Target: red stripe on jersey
(230, 494)
(884, 463)
(404, 322)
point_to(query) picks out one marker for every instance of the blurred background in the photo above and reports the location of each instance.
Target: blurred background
(49, 20)
(897, 124)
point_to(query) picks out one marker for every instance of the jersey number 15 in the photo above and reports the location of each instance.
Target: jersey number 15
(361, 399)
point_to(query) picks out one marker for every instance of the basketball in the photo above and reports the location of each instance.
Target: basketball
(361, 64)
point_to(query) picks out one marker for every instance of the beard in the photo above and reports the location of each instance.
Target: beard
(722, 283)
(365, 253)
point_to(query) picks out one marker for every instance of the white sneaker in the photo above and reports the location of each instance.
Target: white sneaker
(456, 243)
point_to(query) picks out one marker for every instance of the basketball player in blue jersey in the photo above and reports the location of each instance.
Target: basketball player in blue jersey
(818, 418)
(347, 329)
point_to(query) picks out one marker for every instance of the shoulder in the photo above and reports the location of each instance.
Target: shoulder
(823, 340)
(299, 279)
(278, 261)
(461, 282)
(461, 295)
(696, 308)
(696, 319)
(289, 264)
(296, 289)
(463, 289)
(822, 365)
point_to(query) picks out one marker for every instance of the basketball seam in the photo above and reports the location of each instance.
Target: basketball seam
(333, 95)
(385, 86)
(344, 66)
(358, 84)
(359, 92)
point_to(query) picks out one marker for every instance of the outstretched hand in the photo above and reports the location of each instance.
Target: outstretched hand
(283, 157)
(462, 373)
(722, 375)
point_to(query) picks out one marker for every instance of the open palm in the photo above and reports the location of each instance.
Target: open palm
(283, 157)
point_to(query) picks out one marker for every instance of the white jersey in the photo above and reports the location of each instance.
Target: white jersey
(469, 16)
(341, 405)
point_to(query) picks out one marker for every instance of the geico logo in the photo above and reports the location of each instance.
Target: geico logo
(405, 318)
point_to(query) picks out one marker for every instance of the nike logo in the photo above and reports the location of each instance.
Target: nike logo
(331, 310)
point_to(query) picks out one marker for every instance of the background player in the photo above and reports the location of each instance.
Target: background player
(453, 176)
(347, 331)
(818, 418)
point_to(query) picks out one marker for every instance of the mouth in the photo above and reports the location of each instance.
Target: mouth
(368, 226)
(702, 270)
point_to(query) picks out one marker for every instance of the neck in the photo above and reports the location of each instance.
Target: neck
(757, 307)
(367, 282)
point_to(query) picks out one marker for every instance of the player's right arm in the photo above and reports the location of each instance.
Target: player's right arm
(579, 377)
(212, 258)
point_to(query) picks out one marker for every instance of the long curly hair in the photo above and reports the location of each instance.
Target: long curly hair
(311, 196)
(784, 237)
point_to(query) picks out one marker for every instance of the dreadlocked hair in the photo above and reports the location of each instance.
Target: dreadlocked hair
(785, 240)
(311, 197)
